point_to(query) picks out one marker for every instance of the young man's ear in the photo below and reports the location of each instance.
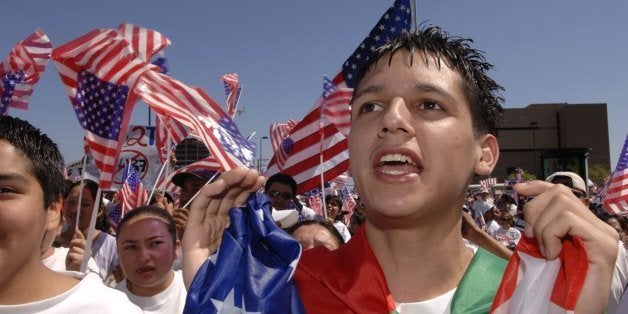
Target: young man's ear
(54, 214)
(488, 154)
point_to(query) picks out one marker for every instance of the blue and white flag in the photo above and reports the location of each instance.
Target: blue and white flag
(253, 270)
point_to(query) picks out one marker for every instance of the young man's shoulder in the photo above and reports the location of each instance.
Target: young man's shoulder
(88, 296)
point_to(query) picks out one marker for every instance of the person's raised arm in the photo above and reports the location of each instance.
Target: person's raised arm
(209, 216)
(556, 212)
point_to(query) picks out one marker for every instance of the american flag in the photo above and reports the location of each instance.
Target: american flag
(314, 201)
(201, 115)
(168, 132)
(232, 91)
(533, 284)
(281, 142)
(133, 192)
(303, 162)
(144, 41)
(253, 269)
(22, 69)
(394, 21)
(488, 183)
(335, 107)
(348, 204)
(98, 72)
(616, 199)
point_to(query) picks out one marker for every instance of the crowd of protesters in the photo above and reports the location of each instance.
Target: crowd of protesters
(142, 259)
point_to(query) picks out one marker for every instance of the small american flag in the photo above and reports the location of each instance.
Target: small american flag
(98, 71)
(201, 115)
(232, 91)
(315, 202)
(22, 69)
(348, 204)
(281, 142)
(133, 192)
(335, 107)
(616, 199)
(488, 183)
(168, 133)
(144, 41)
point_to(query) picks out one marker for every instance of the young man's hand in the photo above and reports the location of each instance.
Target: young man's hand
(556, 212)
(209, 216)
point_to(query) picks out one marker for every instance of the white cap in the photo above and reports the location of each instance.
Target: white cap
(575, 180)
(285, 218)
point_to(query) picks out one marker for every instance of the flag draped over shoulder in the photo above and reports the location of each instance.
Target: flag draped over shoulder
(533, 284)
(201, 115)
(303, 160)
(98, 71)
(21, 70)
(616, 194)
(133, 192)
(252, 272)
(232, 91)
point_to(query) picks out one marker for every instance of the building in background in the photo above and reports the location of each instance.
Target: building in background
(544, 138)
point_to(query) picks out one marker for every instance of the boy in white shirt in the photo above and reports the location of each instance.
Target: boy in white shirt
(31, 184)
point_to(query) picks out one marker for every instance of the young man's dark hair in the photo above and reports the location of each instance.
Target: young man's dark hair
(40, 150)
(481, 91)
(284, 179)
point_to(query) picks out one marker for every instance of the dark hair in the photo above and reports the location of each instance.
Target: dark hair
(324, 224)
(151, 211)
(102, 221)
(334, 199)
(43, 154)
(358, 217)
(281, 178)
(481, 91)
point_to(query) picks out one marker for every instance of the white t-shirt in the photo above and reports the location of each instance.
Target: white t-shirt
(343, 230)
(481, 206)
(507, 237)
(492, 226)
(618, 284)
(56, 261)
(171, 300)
(437, 305)
(88, 296)
(310, 214)
(105, 253)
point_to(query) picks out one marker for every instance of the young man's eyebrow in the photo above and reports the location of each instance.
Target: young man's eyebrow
(13, 176)
(373, 89)
(419, 87)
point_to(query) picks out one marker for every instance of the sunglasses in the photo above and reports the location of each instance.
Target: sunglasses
(284, 195)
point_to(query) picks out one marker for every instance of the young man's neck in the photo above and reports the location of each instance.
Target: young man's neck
(32, 282)
(423, 262)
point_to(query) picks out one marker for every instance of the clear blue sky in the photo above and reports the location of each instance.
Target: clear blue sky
(543, 51)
